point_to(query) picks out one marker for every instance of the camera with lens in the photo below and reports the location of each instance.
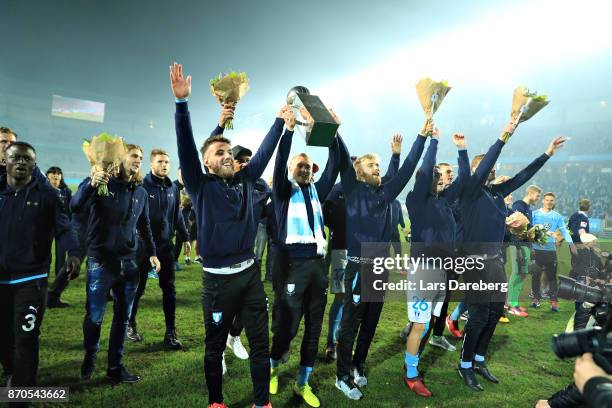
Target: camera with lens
(597, 340)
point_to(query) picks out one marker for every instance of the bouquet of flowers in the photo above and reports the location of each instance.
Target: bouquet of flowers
(517, 222)
(525, 104)
(229, 88)
(431, 94)
(104, 153)
(537, 234)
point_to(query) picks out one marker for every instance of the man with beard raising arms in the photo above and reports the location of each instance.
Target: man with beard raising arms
(484, 221)
(223, 204)
(111, 252)
(368, 220)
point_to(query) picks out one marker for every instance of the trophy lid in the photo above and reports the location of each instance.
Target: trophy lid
(295, 90)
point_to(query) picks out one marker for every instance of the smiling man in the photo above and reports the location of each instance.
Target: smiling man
(113, 222)
(25, 259)
(299, 217)
(223, 203)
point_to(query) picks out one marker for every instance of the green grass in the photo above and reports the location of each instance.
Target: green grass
(520, 354)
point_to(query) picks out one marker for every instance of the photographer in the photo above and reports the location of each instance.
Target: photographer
(592, 387)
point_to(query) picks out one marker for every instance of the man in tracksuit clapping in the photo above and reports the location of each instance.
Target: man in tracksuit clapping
(368, 220)
(165, 217)
(111, 251)
(483, 212)
(31, 215)
(434, 236)
(223, 204)
(299, 215)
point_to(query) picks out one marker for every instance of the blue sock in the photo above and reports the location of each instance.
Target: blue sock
(303, 375)
(466, 364)
(337, 324)
(479, 358)
(335, 314)
(274, 363)
(457, 312)
(412, 364)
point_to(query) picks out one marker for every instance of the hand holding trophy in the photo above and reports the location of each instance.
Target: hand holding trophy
(313, 120)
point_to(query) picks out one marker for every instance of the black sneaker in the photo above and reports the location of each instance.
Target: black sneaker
(481, 368)
(121, 375)
(132, 334)
(54, 302)
(171, 341)
(469, 378)
(199, 260)
(87, 368)
(330, 353)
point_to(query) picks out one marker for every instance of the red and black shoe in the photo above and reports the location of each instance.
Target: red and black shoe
(453, 327)
(417, 386)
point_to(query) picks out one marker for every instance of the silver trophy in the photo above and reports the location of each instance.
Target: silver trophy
(313, 120)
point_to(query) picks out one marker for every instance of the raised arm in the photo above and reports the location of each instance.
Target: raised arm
(481, 174)
(260, 159)
(330, 173)
(396, 150)
(395, 186)
(281, 186)
(528, 172)
(424, 176)
(227, 113)
(453, 191)
(348, 178)
(189, 160)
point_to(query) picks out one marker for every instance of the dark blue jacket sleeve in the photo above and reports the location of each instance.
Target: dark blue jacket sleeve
(424, 176)
(260, 159)
(330, 174)
(64, 233)
(181, 228)
(453, 191)
(217, 131)
(144, 230)
(191, 168)
(281, 186)
(479, 178)
(395, 186)
(393, 168)
(83, 196)
(521, 177)
(348, 178)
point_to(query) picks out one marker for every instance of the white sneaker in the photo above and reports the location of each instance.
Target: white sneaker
(235, 344)
(442, 343)
(349, 389)
(359, 378)
(223, 363)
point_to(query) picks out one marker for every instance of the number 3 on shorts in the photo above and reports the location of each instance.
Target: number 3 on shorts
(31, 322)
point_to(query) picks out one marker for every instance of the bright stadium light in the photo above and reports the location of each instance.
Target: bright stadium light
(495, 50)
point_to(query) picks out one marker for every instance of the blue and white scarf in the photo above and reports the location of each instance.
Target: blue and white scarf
(298, 227)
